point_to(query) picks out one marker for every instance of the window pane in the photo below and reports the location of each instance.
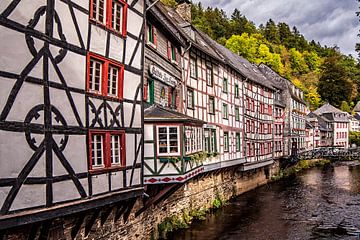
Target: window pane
(97, 155)
(99, 10)
(116, 21)
(115, 149)
(113, 81)
(95, 75)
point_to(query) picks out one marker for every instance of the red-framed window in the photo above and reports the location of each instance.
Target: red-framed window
(110, 13)
(105, 77)
(106, 149)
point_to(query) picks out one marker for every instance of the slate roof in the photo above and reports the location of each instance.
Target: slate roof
(357, 116)
(278, 81)
(357, 107)
(240, 64)
(327, 108)
(321, 121)
(156, 113)
(190, 32)
(159, 12)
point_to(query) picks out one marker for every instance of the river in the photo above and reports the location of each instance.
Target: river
(316, 204)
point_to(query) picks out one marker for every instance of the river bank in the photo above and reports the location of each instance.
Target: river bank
(317, 203)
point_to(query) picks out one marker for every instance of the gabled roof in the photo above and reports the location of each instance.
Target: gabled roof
(278, 81)
(158, 12)
(321, 121)
(240, 64)
(190, 32)
(357, 107)
(156, 113)
(357, 116)
(327, 108)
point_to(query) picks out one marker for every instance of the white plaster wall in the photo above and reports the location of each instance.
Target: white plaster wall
(29, 196)
(25, 10)
(98, 40)
(75, 153)
(12, 162)
(100, 183)
(60, 100)
(130, 149)
(130, 47)
(117, 180)
(68, 25)
(73, 69)
(66, 190)
(134, 22)
(136, 176)
(116, 48)
(139, 6)
(82, 3)
(13, 59)
(131, 82)
(29, 96)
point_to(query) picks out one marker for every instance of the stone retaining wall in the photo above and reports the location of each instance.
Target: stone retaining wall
(198, 194)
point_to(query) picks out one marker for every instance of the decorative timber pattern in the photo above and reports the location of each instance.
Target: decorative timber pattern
(47, 113)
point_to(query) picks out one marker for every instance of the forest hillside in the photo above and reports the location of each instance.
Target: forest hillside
(322, 72)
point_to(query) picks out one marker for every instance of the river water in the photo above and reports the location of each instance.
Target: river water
(316, 204)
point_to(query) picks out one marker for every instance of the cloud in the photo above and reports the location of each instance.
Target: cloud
(330, 22)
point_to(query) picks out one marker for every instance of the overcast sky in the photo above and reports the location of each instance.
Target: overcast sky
(328, 21)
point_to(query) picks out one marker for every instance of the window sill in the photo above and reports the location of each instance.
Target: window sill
(100, 170)
(152, 45)
(107, 28)
(95, 94)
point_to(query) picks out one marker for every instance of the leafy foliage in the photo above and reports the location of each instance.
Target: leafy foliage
(285, 50)
(335, 85)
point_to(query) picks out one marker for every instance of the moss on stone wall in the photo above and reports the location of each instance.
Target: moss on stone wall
(300, 166)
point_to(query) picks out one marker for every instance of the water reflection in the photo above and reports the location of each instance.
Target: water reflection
(318, 204)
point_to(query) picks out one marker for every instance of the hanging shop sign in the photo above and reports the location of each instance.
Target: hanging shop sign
(162, 76)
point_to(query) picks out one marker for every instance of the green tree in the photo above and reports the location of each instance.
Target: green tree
(345, 107)
(313, 61)
(298, 63)
(271, 32)
(335, 85)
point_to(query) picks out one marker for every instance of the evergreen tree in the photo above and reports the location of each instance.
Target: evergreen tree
(335, 85)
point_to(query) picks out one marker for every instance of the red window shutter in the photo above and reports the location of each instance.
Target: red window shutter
(176, 55)
(124, 26)
(169, 96)
(145, 92)
(155, 35)
(169, 49)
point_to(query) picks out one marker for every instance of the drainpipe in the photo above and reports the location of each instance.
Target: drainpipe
(244, 123)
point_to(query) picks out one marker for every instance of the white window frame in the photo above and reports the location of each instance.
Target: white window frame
(94, 150)
(113, 150)
(115, 7)
(96, 14)
(93, 63)
(113, 84)
(168, 153)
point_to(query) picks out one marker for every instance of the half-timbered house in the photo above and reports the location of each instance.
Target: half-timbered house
(71, 130)
(168, 157)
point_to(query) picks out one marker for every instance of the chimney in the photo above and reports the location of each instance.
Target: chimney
(184, 10)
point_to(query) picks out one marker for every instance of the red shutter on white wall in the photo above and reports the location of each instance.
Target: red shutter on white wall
(169, 96)
(145, 92)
